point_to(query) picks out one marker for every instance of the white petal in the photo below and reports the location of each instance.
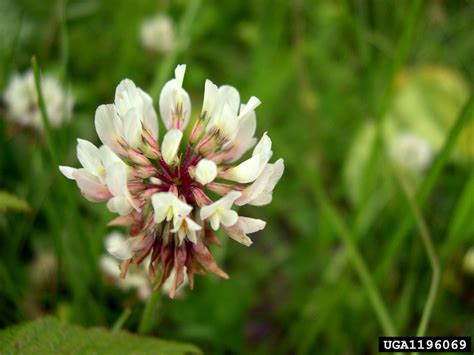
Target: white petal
(192, 225)
(109, 127)
(247, 126)
(67, 171)
(118, 246)
(173, 94)
(150, 118)
(262, 199)
(164, 201)
(132, 127)
(214, 220)
(279, 167)
(127, 97)
(228, 122)
(250, 106)
(250, 169)
(264, 146)
(228, 200)
(251, 225)
(179, 75)
(120, 205)
(223, 203)
(230, 96)
(109, 266)
(257, 187)
(210, 97)
(108, 157)
(167, 103)
(170, 145)
(245, 172)
(228, 217)
(265, 197)
(116, 179)
(88, 155)
(206, 171)
(244, 139)
(161, 202)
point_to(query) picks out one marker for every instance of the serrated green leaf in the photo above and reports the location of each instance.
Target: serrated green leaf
(50, 336)
(11, 202)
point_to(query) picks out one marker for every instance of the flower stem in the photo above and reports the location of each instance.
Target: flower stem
(146, 321)
(44, 113)
(121, 319)
(425, 188)
(355, 256)
(430, 250)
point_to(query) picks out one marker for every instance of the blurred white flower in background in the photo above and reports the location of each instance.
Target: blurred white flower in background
(468, 262)
(22, 101)
(137, 277)
(411, 152)
(157, 33)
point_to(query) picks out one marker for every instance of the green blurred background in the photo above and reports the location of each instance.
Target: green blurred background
(341, 260)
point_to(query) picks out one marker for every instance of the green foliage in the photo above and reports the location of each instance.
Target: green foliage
(9, 202)
(49, 336)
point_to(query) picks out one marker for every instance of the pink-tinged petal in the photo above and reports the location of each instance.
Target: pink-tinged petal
(244, 225)
(90, 186)
(122, 221)
(67, 171)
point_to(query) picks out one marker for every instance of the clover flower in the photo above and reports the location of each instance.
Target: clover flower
(411, 152)
(157, 33)
(22, 101)
(173, 196)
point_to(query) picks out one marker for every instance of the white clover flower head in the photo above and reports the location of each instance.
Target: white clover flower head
(157, 33)
(411, 152)
(165, 193)
(22, 101)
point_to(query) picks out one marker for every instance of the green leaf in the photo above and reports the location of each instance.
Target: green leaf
(11, 202)
(50, 336)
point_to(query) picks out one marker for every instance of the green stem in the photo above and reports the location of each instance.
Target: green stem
(462, 214)
(430, 250)
(466, 114)
(184, 31)
(44, 113)
(121, 320)
(355, 256)
(146, 321)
